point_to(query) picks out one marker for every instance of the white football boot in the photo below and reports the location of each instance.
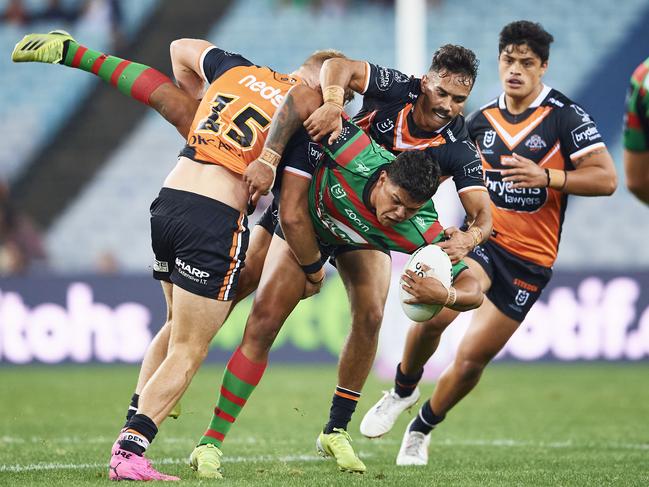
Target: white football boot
(414, 448)
(381, 417)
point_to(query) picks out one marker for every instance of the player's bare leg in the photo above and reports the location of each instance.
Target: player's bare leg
(366, 275)
(280, 289)
(422, 341)
(488, 333)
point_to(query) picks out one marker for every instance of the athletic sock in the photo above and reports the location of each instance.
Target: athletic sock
(426, 420)
(343, 406)
(240, 378)
(404, 385)
(140, 432)
(132, 408)
(132, 79)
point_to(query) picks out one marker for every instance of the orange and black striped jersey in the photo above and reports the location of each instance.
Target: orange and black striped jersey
(233, 118)
(552, 132)
(389, 97)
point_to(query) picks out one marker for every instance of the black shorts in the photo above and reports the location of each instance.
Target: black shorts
(199, 243)
(516, 284)
(269, 218)
(331, 251)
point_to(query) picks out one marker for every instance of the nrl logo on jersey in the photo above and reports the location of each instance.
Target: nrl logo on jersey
(337, 191)
(489, 138)
(535, 143)
(362, 168)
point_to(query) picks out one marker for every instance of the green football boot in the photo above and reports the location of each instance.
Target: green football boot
(206, 461)
(338, 445)
(41, 48)
(175, 412)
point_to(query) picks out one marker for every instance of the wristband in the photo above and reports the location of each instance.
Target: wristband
(334, 95)
(477, 234)
(557, 179)
(547, 174)
(452, 296)
(313, 267)
(269, 157)
(274, 169)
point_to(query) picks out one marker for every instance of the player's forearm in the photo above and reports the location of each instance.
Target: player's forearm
(294, 110)
(468, 294)
(343, 72)
(478, 211)
(590, 181)
(636, 167)
(300, 235)
(185, 63)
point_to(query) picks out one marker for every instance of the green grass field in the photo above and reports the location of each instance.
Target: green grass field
(524, 425)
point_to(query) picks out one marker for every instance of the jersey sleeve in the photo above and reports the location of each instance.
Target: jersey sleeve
(577, 131)
(461, 161)
(387, 83)
(301, 155)
(636, 118)
(214, 62)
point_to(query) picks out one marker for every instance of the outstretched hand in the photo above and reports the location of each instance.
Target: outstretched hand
(326, 119)
(457, 245)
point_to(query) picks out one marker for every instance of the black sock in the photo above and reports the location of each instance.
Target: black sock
(343, 406)
(66, 45)
(132, 408)
(426, 419)
(140, 432)
(404, 385)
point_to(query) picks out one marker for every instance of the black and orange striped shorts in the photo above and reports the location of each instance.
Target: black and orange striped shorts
(199, 243)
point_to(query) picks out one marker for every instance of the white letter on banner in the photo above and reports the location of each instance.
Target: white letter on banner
(532, 339)
(637, 345)
(13, 317)
(131, 323)
(618, 311)
(48, 333)
(79, 302)
(563, 323)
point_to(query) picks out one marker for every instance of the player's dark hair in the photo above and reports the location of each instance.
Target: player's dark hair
(525, 32)
(416, 172)
(454, 59)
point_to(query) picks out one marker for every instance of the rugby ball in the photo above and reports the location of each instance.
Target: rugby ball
(440, 268)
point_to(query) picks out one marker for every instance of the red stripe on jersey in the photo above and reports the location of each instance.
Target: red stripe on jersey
(640, 73)
(96, 66)
(633, 121)
(432, 232)
(223, 415)
(353, 150)
(215, 434)
(114, 78)
(76, 60)
(390, 233)
(233, 398)
(244, 369)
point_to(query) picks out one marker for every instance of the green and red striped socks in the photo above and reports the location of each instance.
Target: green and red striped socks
(240, 378)
(132, 79)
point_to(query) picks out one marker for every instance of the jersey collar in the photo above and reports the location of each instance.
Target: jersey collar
(535, 104)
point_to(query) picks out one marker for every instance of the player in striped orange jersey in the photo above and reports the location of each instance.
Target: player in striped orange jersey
(537, 146)
(198, 222)
(636, 133)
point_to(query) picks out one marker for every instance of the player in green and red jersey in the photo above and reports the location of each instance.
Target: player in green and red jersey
(361, 199)
(636, 134)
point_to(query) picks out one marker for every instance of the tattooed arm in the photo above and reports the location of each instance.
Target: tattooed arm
(298, 104)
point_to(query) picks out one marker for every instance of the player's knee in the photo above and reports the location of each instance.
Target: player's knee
(469, 369)
(368, 320)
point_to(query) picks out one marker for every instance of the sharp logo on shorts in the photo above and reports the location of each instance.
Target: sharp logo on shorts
(315, 153)
(521, 297)
(267, 92)
(489, 138)
(584, 134)
(160, 266)
(337, 191)
(384, 78)
(535, 143)
(505, 196)
(385, 126)
(190, 272)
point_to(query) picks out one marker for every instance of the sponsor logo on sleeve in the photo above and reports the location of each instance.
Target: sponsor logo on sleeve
(505, 196)
(585, 134)
(160, 266)
(315, 153)
(489, 138)
(473, 169)
(581, 112)
(384, 78)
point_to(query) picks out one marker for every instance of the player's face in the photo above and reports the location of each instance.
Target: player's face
(442, 98)
(392, 203)
(520, 70)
